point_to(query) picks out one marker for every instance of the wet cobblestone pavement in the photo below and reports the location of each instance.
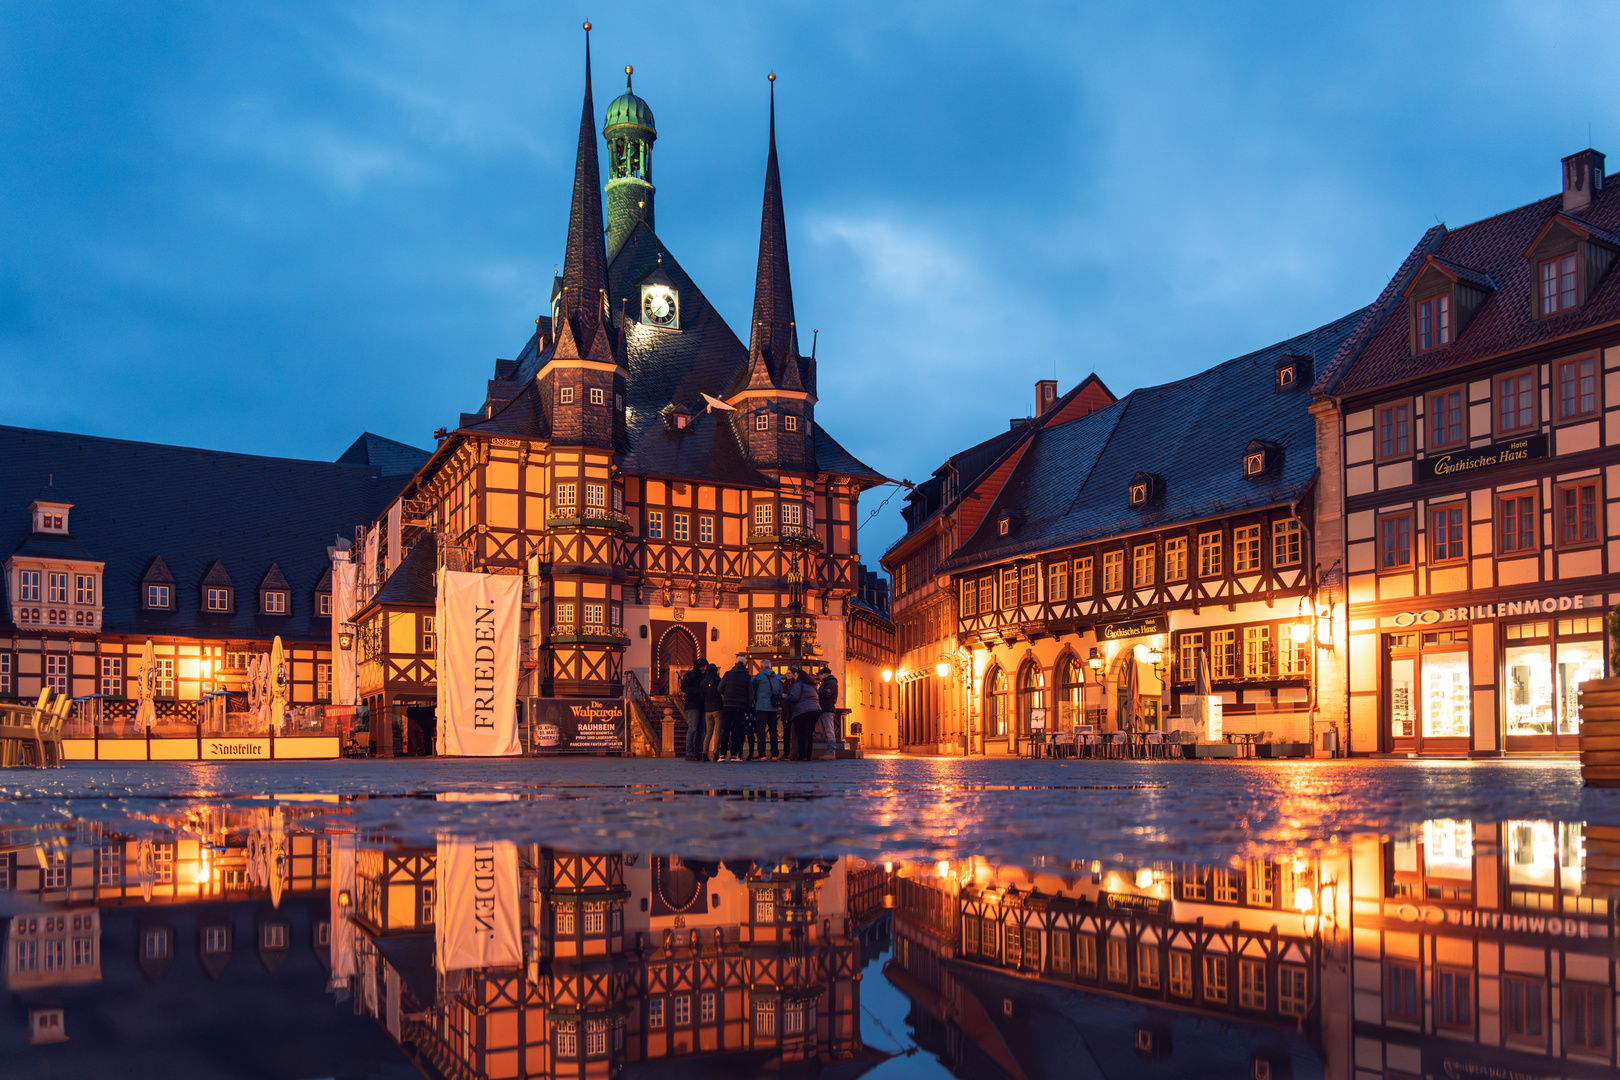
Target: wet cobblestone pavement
(912, 918)
(881, 807)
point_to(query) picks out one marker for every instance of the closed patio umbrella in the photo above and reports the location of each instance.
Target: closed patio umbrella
(145, 708)
(1133, 688)
(1201, 674)
(277, 685)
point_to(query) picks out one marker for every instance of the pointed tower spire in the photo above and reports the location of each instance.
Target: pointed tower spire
(773, 343)
(584, 276)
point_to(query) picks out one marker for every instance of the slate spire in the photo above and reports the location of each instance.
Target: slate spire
(584, 276)
(773, 345)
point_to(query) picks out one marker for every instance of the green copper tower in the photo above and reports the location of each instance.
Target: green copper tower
(630, 135)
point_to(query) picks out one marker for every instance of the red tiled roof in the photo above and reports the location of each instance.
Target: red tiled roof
(1495, 247)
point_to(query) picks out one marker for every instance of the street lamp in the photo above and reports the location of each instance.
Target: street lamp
(942, 669)
(1095, 663)
(1155, 657)
(888, 675)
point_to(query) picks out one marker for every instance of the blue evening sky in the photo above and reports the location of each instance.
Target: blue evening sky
(268, 227)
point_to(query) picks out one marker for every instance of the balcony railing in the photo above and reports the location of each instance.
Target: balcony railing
(586, 634)
(776, 645)
(801, 535)
(598, 517)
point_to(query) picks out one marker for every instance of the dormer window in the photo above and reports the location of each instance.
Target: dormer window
(158, 597)
(218, 594)
(1434, 322)
(274, 592)
(1259, 457)
(1558, 284)
(1286, 376)
(1010, 521)
(1569, 258)
(274, 602)
(218, 600)
(1144, 488)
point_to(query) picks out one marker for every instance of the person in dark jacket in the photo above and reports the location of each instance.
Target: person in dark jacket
(692, 705)
(803, 707)
(827, 698)
(734, 699)
(712, 707)
(767, 702)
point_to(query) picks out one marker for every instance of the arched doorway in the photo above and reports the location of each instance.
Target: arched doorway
(1031, 695)
(1071, 693)
(677, 652)
(997, 709)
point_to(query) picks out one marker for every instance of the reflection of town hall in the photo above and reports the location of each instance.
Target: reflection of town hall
(655, 478)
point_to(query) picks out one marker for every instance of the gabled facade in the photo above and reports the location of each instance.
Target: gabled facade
(1467, 434)
(941, 514)
(209, 555)
(655, 481)
(1126, 547)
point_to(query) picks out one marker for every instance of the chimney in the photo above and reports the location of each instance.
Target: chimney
(1045, 395)
(1583, 179)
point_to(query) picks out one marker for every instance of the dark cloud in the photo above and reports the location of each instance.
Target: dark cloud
(266, 227)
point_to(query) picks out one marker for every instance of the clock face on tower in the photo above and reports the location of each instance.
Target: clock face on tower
(658, 305)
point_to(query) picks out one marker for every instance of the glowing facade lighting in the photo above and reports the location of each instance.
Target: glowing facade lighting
(942, 669)
(888, 676)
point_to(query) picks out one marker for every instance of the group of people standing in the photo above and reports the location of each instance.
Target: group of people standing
(727, 713)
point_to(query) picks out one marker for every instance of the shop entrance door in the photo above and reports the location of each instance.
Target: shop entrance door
(1428, 692)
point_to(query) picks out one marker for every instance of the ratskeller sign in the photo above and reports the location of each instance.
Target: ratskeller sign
(1485, 459)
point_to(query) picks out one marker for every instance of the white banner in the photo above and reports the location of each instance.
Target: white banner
(477, 628)
(341, 917)
(475, 905)
(393, 536)
(343, 678)
(368, 572)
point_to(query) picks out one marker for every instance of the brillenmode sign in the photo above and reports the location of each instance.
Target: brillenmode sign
(1485, 459)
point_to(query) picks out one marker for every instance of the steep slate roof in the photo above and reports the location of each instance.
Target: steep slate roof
(666, 366)
(1073, 480)
(773, 343)
(412, 580)
(54, 546)
(391, 458)
(1495, 246)
(137, 502)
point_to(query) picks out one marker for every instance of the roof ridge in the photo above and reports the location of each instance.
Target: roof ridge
(1373, 314)
(183, 449)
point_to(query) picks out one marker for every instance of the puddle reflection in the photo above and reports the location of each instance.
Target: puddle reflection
(276, 936)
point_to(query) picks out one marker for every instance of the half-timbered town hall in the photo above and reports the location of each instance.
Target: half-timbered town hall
(661, 482)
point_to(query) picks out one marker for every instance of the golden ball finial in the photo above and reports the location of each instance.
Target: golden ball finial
(771, 76)
(587, 26)
(628, 70)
